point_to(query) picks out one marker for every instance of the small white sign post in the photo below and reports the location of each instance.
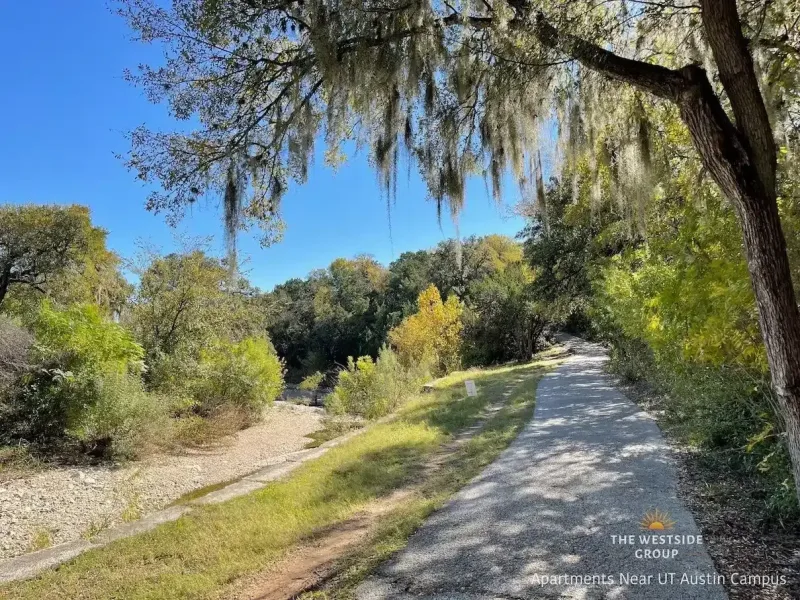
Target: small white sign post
(471, 389)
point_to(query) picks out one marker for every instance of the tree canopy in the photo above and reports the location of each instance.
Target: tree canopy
(37, 243)
(460, 88)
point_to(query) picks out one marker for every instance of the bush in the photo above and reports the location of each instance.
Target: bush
(371, 389)
(312, 382)
(108, 415)
(36, 406)
(85, 387)
(175, 377)
(246, 374)
(195, 431)
(81, 339)
(15, 343)
(114, 416)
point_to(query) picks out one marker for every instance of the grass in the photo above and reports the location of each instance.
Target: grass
(17, 461)
(334, 426)
(96, 527)
(203, 491)
(133, 509)
(42, 538)
(199, 555)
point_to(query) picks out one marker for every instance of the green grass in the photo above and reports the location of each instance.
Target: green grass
(201, 553)
(396, 527)
(334, 427)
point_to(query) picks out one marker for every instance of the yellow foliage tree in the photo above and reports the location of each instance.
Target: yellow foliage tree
(432, 335)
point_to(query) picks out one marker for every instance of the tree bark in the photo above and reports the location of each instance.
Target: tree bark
(732, 167)
(738, 76)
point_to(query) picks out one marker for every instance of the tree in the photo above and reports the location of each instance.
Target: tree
(432, 335)
(456, 266)
(461, 88)
(184, 301)
(408, 276)
(335, 313)
(39, 242)
(563, 254)
(96, 279)
(506, 319)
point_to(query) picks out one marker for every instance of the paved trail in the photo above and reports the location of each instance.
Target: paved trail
(588, 467)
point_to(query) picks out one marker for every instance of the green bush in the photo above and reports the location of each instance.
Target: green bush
(81, 339)
(85, 387)
(36, 405)
(371, 389)
(246, 374)
(312, 382)
(15, 344)
(112, 415)
(175, 377)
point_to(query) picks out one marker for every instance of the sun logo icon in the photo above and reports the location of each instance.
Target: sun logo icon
(656, 520)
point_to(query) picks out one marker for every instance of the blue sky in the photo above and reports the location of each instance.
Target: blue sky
(64, 111)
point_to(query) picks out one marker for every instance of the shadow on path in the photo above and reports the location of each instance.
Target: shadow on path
(590, 465)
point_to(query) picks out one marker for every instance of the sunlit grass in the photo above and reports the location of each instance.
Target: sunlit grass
(397, 526)
(201, 553)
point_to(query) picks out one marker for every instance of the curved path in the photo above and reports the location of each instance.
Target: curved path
(548, 519)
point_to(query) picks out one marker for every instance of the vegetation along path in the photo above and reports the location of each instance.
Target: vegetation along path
(341, 514)
(585, 474)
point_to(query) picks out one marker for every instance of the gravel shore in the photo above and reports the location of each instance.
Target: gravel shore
(67, 503)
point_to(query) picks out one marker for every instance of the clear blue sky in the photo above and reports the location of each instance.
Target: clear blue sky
(64, 111)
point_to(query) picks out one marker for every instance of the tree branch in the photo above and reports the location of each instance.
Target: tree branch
(658, 80)
(738, 76)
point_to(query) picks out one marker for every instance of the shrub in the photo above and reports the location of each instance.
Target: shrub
(371, 389)
(246, 374)
(201, 432)
(36, 406)
(85, 386)
(174, 376)
(81, 339)
(114, 416)
(15, 343)
(312, 382)
(109, 414)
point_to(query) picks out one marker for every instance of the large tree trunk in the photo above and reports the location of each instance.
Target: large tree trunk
(725, 154)
(777, 309)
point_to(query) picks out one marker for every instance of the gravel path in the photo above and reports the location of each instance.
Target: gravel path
(70, 502)
(586, 469)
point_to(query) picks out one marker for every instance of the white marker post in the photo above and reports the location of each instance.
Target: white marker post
(471, 389)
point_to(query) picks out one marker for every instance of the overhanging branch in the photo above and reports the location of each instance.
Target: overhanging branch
(660, 81)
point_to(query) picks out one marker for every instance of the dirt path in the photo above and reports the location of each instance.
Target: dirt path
(68, 503)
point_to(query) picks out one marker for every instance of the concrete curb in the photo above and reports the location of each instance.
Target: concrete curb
(30, 565)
